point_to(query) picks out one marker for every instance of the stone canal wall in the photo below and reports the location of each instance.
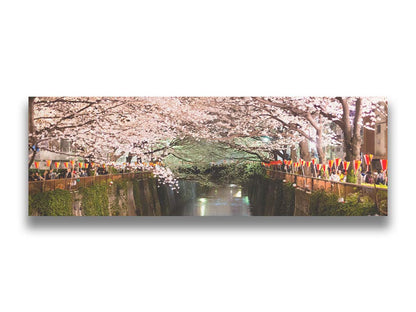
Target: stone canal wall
(280, 197)
(135, 197)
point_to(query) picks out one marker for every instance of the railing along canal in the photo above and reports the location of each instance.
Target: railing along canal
(342, 189)
(72, 184)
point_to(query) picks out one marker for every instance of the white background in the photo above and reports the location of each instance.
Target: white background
(223, 47)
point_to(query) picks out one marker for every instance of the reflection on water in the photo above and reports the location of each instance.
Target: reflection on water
(228, 200)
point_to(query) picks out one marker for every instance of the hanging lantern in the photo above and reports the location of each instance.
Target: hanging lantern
(48, 163)
(346, 164)
(36, 164)
(66, 164)
(330, 163)
(368, 158)
(337, 162)
(383, 164)
(357, 164)
(57, 165)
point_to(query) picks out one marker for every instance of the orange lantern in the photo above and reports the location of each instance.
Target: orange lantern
(357, 164)
(337, 162)
(48, 163)
(383, 164)
(36, 164)
(346, 164)
(368, 158)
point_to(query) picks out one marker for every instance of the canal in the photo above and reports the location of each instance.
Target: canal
(226, 200)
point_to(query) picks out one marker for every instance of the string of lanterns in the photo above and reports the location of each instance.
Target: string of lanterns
(331, 164)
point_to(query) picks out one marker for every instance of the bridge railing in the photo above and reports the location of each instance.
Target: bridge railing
(342, 189)
(72, 184)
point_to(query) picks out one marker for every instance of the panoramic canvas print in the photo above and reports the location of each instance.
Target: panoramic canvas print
(208, 156)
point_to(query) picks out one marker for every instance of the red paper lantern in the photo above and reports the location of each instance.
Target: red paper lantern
(383, 164)
(368, 158)
(346, 164)
(337, 162)
(357, 164)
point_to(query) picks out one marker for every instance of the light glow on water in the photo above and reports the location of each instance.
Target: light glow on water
(238, 194)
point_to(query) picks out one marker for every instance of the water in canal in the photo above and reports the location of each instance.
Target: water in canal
(226, 200)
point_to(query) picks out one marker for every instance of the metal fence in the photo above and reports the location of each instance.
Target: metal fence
(73, 184)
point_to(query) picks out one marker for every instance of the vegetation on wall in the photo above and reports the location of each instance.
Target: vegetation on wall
(94, 200)
(118, 206)
(326, 204)
(52, 203)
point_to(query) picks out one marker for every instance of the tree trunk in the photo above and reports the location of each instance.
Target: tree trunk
(293, 153)
(319, 149)
(352, 133)
(31, 128)
(305, 155)
(356, 135)
(304, 150)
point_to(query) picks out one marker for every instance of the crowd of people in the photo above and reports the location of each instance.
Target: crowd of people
(337, 175)
(68, 174)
